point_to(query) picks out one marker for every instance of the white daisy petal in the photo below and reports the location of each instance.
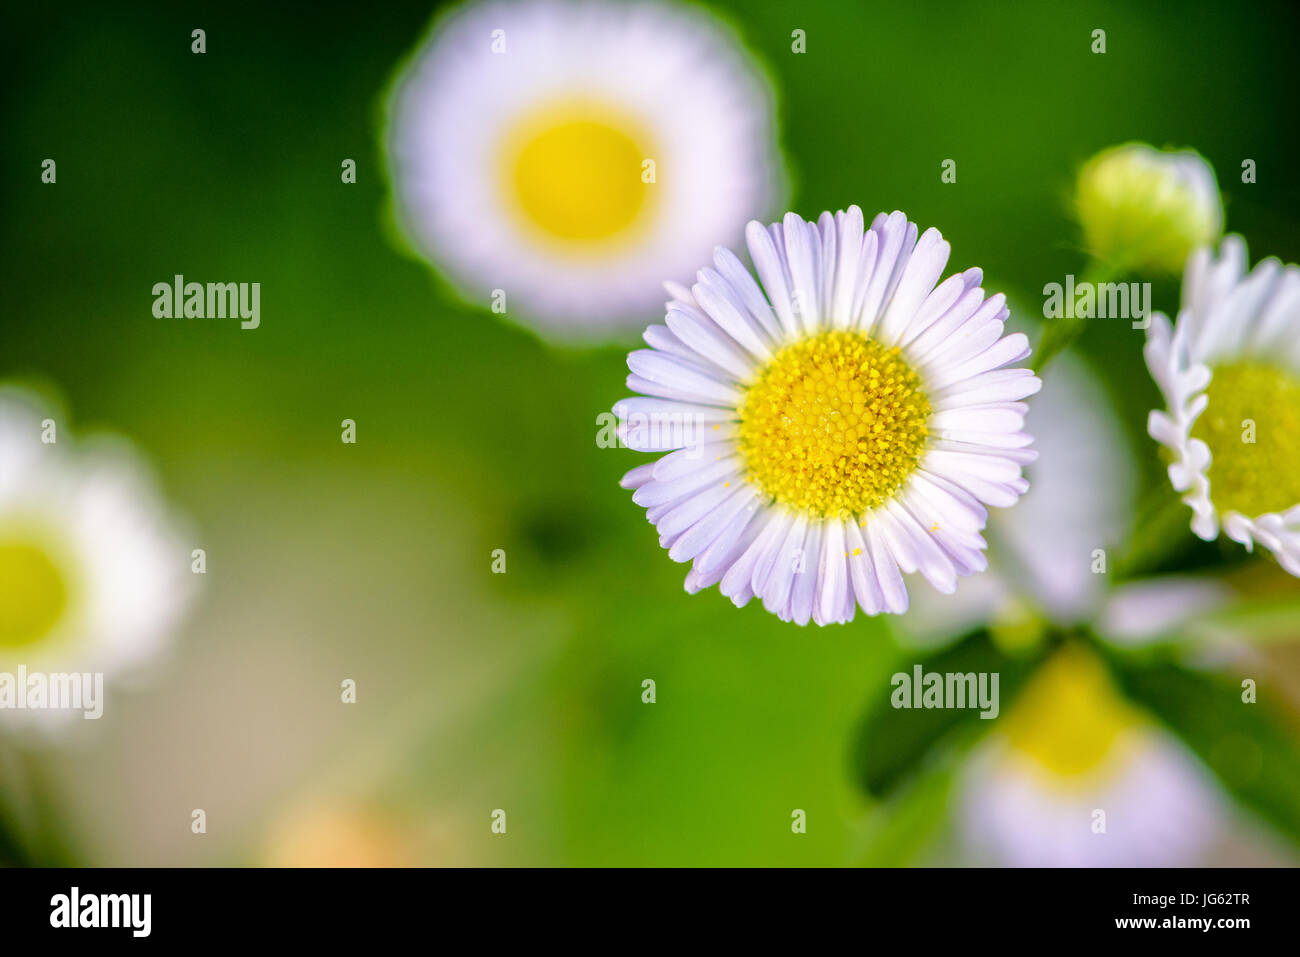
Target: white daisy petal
(786, 559)
(706, 338)
(675, 374)
(833, 573)
(713, 293)
(657, 492)
(803, 588)
(917, 281)
(772, 272)
(733, 274)
(736, 582)
(638, 476)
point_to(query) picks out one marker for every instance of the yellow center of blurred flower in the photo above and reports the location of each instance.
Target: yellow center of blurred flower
(33, 594)
(1070, 720)
(576, 172)
(336, 837)
(1252, 426)
(834, 424)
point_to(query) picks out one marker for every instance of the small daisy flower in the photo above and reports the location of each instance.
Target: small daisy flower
(93, 576)
(1073, 758)
(833, 425)
(1143, 208)
(1229, 371)
(570, 154)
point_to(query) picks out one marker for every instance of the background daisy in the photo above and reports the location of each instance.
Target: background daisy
(1229, 371)
(843, 424)
(96, 573)
(574, 153)
(1077, 777)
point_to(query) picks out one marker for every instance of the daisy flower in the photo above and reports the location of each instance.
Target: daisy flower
(94, 574)
(833, 425)
(1229, 372)
(571, 154)
(1077, 777)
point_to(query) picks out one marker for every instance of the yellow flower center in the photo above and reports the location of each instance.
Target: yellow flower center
(1070, 719)
(834, 424)
(576, 172)
(33, 594)
(1252, 426)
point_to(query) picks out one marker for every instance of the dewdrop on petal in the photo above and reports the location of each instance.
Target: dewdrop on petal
(836, 422)
(1143, 209)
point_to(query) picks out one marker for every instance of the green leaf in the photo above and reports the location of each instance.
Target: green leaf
(1250, 747)
(893, 743)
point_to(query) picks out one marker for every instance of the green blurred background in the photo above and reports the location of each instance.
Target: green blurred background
(372, 561)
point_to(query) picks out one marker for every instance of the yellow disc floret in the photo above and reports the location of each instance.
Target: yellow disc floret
(576, 173)
(1252, 426)
(1071, 721)
(33, 594)
(834, 424)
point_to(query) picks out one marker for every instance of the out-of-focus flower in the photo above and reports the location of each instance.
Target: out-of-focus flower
(568, 155)
(1147, 209)
(1229, 371)
(1078, 778)
(844, 423)
(336, 835)
(93, 574)
(1072, 745)
(1053, 552)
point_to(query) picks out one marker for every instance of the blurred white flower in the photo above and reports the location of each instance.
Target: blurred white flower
(1229, 371)
(93, 573)
(1076, 777)
(570, 155)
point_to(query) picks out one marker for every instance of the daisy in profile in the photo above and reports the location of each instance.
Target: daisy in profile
(93, 574)
(1077, 777)
(1229, 371)
(832, 425)
(557, 159)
